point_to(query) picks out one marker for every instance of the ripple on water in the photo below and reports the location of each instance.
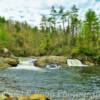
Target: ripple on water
(71, 80)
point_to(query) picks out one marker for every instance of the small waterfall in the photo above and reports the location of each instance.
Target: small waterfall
(27, 65)
(74, 62)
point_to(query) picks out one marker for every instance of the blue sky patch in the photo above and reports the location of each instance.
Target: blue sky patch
(97, 0)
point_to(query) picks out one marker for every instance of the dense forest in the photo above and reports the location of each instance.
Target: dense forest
(62, 32)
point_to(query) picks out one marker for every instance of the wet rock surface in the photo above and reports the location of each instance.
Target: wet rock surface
(7, 59)
(43, 61)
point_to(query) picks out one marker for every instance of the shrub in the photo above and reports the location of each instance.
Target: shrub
(87, 51)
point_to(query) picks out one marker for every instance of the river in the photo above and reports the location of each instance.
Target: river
(73, 83)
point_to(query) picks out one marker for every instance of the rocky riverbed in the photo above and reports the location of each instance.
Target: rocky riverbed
(62, 60)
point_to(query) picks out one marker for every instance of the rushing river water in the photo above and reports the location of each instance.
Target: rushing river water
(73, 83)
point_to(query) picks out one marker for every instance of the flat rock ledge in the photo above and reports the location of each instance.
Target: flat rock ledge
(43, 61)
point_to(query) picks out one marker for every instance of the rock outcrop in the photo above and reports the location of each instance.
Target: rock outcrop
(7, 59)
(11, 61)
(8, 62)
(43, 61)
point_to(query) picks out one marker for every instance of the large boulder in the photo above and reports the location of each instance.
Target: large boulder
(11, 61)
(7, 59)
(3, 65)
(43, 61)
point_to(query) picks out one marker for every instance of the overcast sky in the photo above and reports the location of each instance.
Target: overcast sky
(30, 10)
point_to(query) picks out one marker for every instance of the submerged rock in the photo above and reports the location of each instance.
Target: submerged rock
(53, 66)
(43, 61)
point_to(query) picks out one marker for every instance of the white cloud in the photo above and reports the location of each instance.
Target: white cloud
(30, 10)
(97, 6)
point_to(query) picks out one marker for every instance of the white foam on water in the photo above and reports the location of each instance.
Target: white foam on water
(54, 66)
(27, 62)
(75, 62)
(27, 65)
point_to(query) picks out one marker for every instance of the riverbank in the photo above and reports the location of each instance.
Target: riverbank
(42, 61)
(7, 59)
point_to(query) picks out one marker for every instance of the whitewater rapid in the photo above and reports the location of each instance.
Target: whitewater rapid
(27, 64)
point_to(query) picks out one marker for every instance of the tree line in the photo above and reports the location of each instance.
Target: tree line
(61, 32)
